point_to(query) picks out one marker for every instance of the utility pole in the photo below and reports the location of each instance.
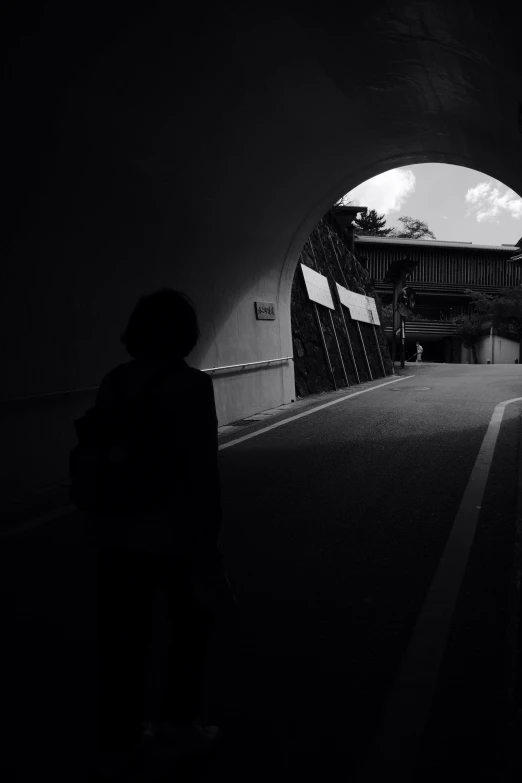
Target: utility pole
(402, 342)
(396, 274)
(394, 323)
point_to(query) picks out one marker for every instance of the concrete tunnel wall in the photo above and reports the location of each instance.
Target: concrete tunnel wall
(201, 157)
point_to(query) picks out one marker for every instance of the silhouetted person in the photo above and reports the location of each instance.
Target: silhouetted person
(419, 351)
(157, 519)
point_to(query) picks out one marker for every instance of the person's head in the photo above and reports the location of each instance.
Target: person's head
(163, 325)
(417, 344)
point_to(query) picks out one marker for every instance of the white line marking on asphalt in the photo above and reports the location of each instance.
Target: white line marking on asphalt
(308, 413)
(394, 751)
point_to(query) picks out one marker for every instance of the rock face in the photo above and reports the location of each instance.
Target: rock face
(327, 252)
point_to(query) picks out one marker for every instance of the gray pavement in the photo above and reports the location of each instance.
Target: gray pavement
(334, 526)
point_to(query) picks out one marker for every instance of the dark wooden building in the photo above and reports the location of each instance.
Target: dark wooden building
(444, 271)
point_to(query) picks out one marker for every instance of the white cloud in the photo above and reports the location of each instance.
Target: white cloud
(486, 202)
(386, 192)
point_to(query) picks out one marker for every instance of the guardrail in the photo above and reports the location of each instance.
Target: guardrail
(95, 388)
(248, 364)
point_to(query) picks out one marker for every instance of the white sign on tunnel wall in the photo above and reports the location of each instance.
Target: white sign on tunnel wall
(317, 287)
(362, 308)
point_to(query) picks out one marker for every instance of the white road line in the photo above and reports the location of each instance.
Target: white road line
(308, 413)
(393, 753)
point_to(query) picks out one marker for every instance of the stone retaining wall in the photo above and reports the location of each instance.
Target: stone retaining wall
(327, 252)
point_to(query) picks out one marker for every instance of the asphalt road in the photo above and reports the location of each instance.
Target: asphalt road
(334, 526)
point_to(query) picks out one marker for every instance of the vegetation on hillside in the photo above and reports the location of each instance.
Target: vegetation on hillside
(412, 228)
(370, 224)
(502, 311)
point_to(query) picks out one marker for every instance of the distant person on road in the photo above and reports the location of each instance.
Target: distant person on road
(155, 520)
(420, 350)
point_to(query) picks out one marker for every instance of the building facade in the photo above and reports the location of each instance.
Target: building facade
(445, 270)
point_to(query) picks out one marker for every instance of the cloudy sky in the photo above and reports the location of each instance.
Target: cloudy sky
(458, 204)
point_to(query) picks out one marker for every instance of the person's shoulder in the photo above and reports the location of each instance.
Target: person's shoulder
(114, 375)
(202, 376)
(110, 386)
(199, 380)
(186, 378)
(197, 376)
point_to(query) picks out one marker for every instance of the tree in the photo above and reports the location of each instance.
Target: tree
(387, 316)
(503, 311)
(371, 225)
(506, 309)
(468, 332)
(412, 229)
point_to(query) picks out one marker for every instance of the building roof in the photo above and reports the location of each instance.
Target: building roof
(431, 243)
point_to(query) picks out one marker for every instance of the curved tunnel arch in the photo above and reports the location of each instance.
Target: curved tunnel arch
(353, 180)
(350, 182)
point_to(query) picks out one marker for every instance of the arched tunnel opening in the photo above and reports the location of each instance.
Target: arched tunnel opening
(206, 154)
(454, 277)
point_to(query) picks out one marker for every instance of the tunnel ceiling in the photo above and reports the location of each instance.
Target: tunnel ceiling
(424, 81)
(446, 72)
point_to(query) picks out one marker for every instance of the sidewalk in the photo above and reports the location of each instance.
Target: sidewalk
(257, 421)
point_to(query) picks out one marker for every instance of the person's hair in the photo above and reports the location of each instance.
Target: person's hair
(162, 325)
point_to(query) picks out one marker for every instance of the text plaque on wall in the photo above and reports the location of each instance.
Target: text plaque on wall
(265, 311)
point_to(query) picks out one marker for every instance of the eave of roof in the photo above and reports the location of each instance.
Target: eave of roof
(431, 243)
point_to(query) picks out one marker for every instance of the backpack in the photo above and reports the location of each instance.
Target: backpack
(110, 468)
